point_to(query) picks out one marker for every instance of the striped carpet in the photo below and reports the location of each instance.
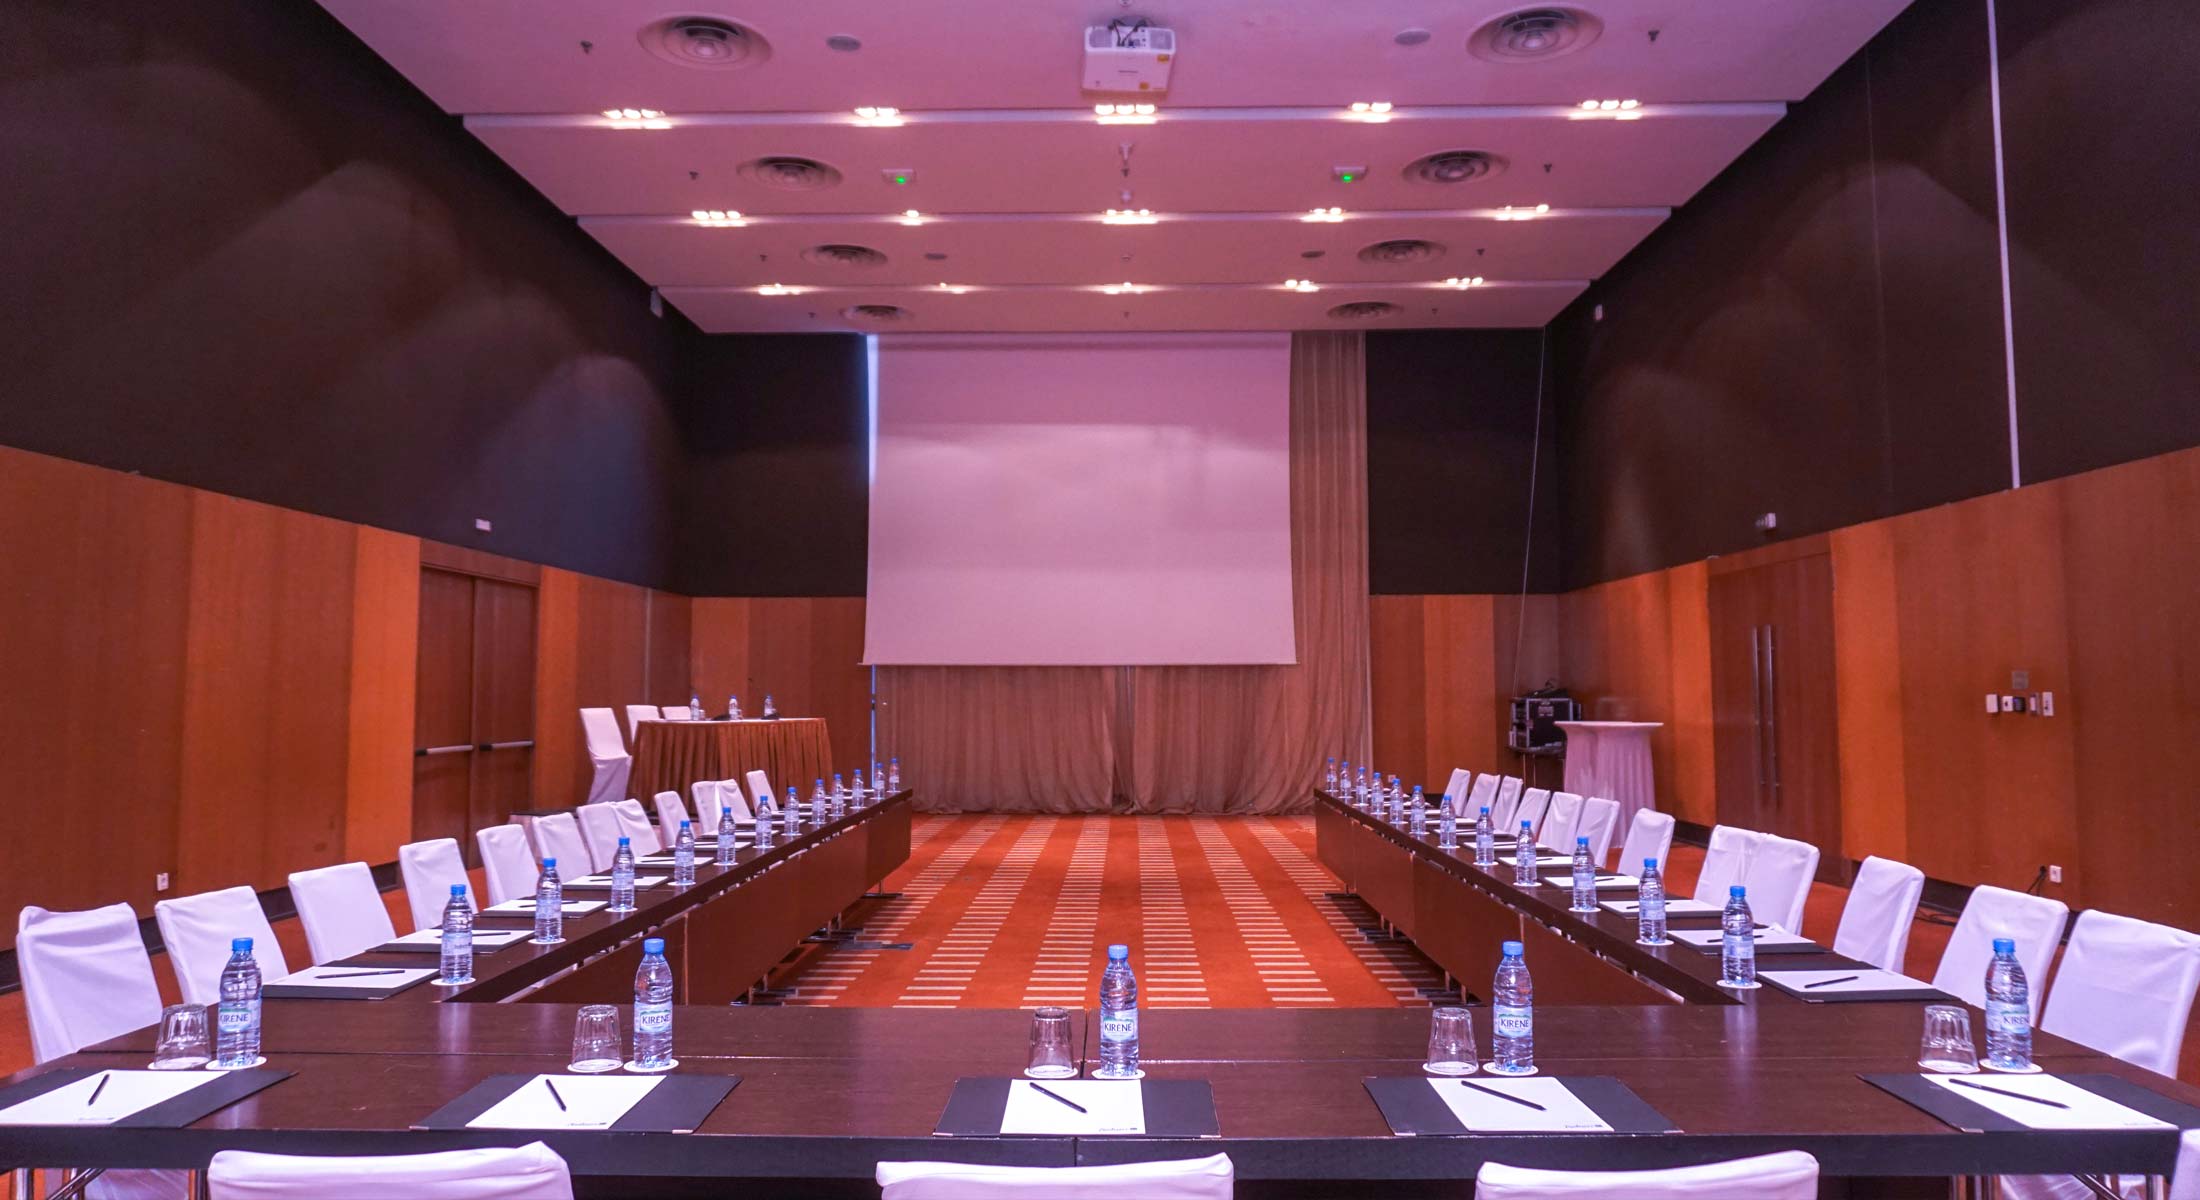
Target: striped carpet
(1013, 911)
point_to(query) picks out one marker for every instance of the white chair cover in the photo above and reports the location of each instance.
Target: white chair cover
(1788, 1175)
(559, 836)
(2125, 987)
(671, 810)
(341, 909)
(507, 862)
(530, 1172)
(2184, 1183)
(1778, 878)
(1190, 1179)
(1506, 804)
(1599, 821)
(1533, 803)
(1455, 789)
(1882, 904)
(86, 977)
(429, 869)
(196, 931)
(729, 794)
(1480, 796)
(705, 793)
(2036, 923)
(677, 712)
(760, 793)
(635, 825)
(1560, 823)
(1650, 835)
(608, 760)
(1725, 862)
(635, 715)
(601, 829)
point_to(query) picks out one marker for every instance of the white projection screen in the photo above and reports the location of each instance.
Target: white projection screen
(1081, 500)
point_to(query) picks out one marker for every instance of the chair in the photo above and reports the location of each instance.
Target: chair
(559, 836)
(760, 793)
(606, 755)
(1210, 1178)
(1882, 904)
(1533, 802)
(1649, 836)
(635, 715)
(196, 931)
(2125, 987)
(1559, 823)
(1788, 1175)
(707, 795)
(1482, 795)
(729, 795)
(429, 869)
(671, 810)
(1506, 804)
(530, 1172)
(2036, 923)
(1725, 862)
(1455, 789)
(1778, 878)
(636, 827)
(677, 712)
(601, 829)
(1599, 821)
(342, 911)
(507, 862)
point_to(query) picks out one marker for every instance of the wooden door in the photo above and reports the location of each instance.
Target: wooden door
(504, 703)
(1775, 731)
(473, 728)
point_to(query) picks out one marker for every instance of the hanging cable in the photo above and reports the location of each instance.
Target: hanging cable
(1527, 547)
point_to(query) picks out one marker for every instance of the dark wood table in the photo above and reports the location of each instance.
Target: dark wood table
(670, 755)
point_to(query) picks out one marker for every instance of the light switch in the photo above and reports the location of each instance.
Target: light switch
(2008, 704)
(1993, 703)
(2047, 704)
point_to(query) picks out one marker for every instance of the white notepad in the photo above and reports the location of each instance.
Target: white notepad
(2084, 1110)
(1112, 1107)
(1852, 979)
(1604, 882)
(1562, 1111)
(127, 1093)
(346, 978)
(571, 908)
(1674, 907)
(591, 1102)
(1767, 939)
(604, 881)
(432, 939)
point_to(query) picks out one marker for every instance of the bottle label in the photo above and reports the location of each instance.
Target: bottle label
(652, 1018)
(1512, 1021)
(459, 942)
(1653, 908)
(237, 1016)
(1120, 1025)
(2008, 1017)
(1741, 947)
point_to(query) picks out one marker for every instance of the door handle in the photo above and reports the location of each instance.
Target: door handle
(525, 744)
(1757, 703)
(1772, 708)
(461, 748)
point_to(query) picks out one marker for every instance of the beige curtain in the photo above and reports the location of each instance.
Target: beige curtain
(1177, 739)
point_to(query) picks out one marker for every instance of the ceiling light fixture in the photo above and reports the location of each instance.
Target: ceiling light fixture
(1122, 289)
(1300, 285)
(1331, 216)
(878, 116)
(719, 218)
(1125, 114)
(1463, 282)
(636, 118)
(778, 289)
(953, 289)
(1509, 213)
(1128, 216)
(910, 216)
(1374, 112)
(1616, 110)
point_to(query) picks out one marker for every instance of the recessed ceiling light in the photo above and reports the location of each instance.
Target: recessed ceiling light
(778, 289)
(1463, 282)
(1301, 285)
(1374, 112)
(1329, 216)
(1128, 216)
(1617, 110)
(910, 216)
(878, 116)
(1509, 213)
(719, 218)
(1125, 114)
(636, 118)
(846, 43)
(953, 289)
(1122, 289)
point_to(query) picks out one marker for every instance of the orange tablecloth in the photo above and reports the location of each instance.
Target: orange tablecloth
(670, 755)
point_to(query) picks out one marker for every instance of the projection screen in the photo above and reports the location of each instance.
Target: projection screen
(1087, 500)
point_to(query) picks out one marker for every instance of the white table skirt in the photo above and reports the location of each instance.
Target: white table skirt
(1611, 759)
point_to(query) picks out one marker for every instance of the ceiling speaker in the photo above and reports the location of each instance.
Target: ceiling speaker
(1401, 250)
(875, 312)
(1534, 34)
(789, 173)
(1454, 166)
(712, 43)
(841, 254)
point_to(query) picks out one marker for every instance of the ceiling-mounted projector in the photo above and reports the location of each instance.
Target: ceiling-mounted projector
(1128, 56)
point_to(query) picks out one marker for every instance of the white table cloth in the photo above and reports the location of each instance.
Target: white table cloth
(1611, 759)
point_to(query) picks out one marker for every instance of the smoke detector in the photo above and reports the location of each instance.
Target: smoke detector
(1534, 34)
(789, 173)
(1454, 166)
(711, 43)
(1364, 310)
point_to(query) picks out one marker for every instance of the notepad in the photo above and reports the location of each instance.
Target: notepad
(1112, 1107)
(2083, 1109)
(431, 940)
(570, 908)
(1674, 907)
(1480, 1112)
(1604, 882)
(1836, 981)
(126, 1093)
(1767, 939)
(591, 1102)
(346, 983)
(594, 882)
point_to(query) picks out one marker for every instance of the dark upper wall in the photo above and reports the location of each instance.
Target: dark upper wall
(1451, 423)
(244, 254)
(1819, 332)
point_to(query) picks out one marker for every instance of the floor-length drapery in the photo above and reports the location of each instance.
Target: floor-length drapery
(1001, 739)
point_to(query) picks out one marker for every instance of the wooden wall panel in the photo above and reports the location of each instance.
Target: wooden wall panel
(1436, 694)
(1867, 649)
(1398, 673)
(385, 628)
(267, 687)
(671, 636)
(1687, 768)
(561, 757)
(1621, 664)
(806, 651)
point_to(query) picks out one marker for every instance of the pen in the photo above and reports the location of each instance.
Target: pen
(1057, 1096)
(94, 1098)
(2019, 1095)
(1830, 982)
(554, 1094)
(1490, 1091)
(363, 974)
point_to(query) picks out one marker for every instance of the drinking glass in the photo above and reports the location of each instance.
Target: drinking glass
(1050, 1056)
(1947, 1045)
(183, 1043)
(597, 1046)
(1450, 1042)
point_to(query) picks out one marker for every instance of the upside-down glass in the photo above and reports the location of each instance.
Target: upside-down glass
(1450, 1042)
(597, 1045)
(1947, 1045)
(183, 1044)
(1050, 1053)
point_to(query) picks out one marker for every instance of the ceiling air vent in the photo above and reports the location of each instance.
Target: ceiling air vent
(840, 254)
(712, 43)
(1534, 34)
(875, 312)
(1401, 250)
(1364, 310)
(1454, 166)
(789, 173)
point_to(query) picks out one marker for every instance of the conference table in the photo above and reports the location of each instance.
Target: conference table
(670, 755)
(826, 1093)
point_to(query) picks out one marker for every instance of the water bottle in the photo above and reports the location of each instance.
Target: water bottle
(653, 1010)
(893, 777)
(1737, 941)
(878, 779)
(683, 856)
(1118, 1018)
(726, 836)
(1650, 906)
(1447, 829)
(733, 708)
(1485, 840)
(549, 905)
(1512, 1015)
(818, 802)
(2008, 1010)
(695, 707)
(770, 709)
(1329, 776)
(622, 877)
(839, 806)
(458, 938)
(1344, 782)
(856, 791)
(790, 815)
(764, 835)
(1585, 878)
(1417, 813)
(1524, 856)
(1397, 802)
(1360, 789)
(237, 1018)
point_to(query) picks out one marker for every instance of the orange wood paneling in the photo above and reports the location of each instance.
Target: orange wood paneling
(806, 651)
(561, 758)
(1433, 673)
(1398, 674)
(1867, 648)
(1688, 767)
(385, 628)
(671, 637)
(1621, 664)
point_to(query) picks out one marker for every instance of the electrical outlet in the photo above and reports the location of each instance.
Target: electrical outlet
(2054, 874)
(2047, 704)
(160, 882)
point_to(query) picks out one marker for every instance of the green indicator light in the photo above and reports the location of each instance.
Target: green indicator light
(1346, 177)
(901, 179)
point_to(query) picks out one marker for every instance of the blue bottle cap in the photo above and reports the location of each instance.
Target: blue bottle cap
(1118, 952)
(1583, 840)
(457, 890)
(549, 864)
(1649, 864)
(684, 825)
(1525, 826)
(2005, 945)
(1512, 949)
(626, 841)
(240, 945)
(653, 945)
(1485, 810)
(1737, 892)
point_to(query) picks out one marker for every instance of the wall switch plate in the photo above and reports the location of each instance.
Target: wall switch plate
(2008, 704)
(160, 882)
(2047, 704)
(2054, 874)
(481, 525)
(1993, 703)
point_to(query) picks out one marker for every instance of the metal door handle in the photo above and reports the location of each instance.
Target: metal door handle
(1757, 702)
(519, 745)
(1772, 709)
(462, 748)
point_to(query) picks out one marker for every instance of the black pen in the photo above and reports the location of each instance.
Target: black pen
(1490, 1091)
(2019, 1095)
(103, 1078)
(1057, 1096)
(1830, 982)
(554, 1094)
(363, 974)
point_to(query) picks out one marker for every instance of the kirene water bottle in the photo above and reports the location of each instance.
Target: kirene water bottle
(764, 836)
(1650, 906)
(1397, 802)
(237, 1017)
(1344, 782)
(1485, 840)
(695, 707)
(839, 807)
(1447, 828)
(1585, 878)
(1524, 856)
(683, 856)
(893, 777)
(726, 836)
(1329, 776)
(2008, 1010)
(1512, 1015)
(790, 814)
(549, 905)
(1360, 790)
(622, 877)
(653, 1010)
(1737, 941)
(458, 939)
(818, 802)
(856, 790)
(733, 708)
(770, 709)
(1118, 1018)
(1417, 813)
